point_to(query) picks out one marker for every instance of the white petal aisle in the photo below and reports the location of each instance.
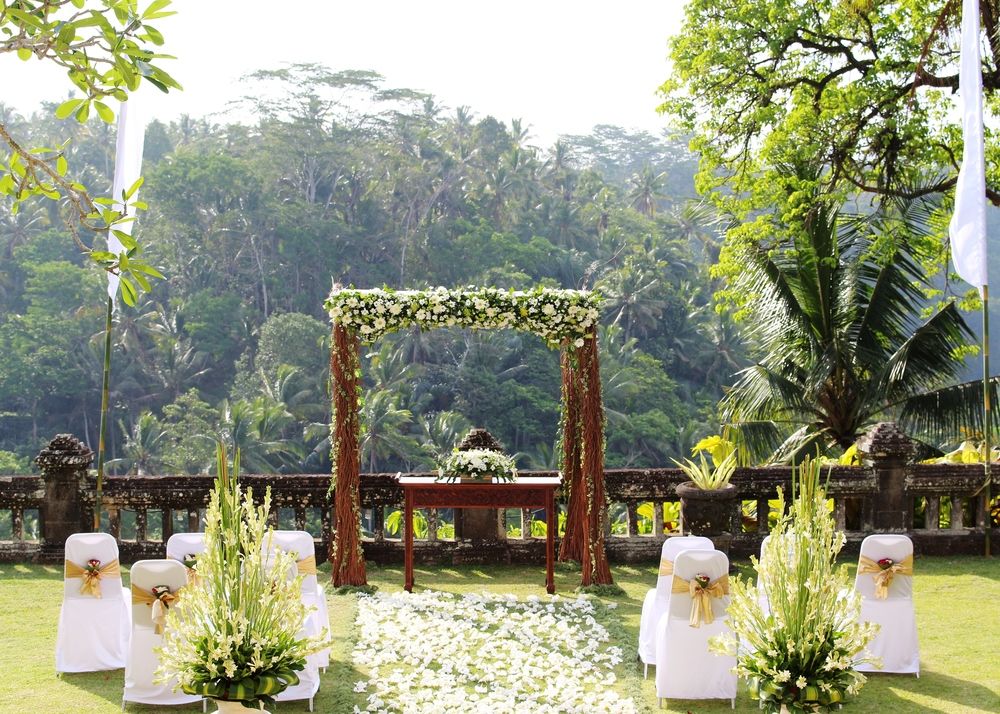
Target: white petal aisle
(433, 651)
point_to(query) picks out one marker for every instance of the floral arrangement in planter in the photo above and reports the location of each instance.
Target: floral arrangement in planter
(706, 477)
(801, 656)
(477, 465)
(234, 635)
(554, 315)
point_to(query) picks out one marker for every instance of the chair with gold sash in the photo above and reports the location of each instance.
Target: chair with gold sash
(885, 581)
(654, 606)
(302, 545)
(184, 547)
(156, 585)
(685, 669)
(94, 619)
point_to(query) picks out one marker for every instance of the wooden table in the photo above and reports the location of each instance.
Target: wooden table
(426, 492)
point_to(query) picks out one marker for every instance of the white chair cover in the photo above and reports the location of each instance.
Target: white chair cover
(765, 604)
(896, 643)
(93, 632)
(654, 606)
(181, 545)
(685, 669)
(142, 662)
(302, 546)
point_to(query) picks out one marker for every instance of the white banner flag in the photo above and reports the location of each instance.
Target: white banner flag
(968, 224)
(128, 168)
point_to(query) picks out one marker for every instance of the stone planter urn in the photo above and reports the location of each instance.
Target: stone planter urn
(708, 513)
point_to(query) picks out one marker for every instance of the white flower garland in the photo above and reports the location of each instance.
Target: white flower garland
(554, 315)
(485, 653)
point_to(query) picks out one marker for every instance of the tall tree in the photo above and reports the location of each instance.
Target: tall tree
(863, 87)
(835, 328)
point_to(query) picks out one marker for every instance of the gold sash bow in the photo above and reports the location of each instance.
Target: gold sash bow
(91, 579)
(666, 567)
(307, 566)
(701, 597)
(883, 576)
(159, 605)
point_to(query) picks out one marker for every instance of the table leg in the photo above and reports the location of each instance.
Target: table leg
(552, 525)
(408, 543)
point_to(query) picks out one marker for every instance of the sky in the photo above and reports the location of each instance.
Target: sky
(561, 66)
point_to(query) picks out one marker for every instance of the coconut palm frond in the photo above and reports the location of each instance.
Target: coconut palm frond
(761, 392)
(945, 414)
(755, 440)
(804, 442)
(927, 358)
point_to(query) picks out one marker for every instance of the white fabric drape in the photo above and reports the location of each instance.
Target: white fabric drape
(685, 669)
(302, 546)
(93, 632)
(654, 606)
(897, 643)
(143, 661)
(968, 224)
(128, 168)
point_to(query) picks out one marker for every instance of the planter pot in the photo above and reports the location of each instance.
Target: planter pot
(708, 513)
(226, 707)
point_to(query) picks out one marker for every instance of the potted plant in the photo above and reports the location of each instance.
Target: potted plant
(708, 500)
(800, 652)
(234, 634)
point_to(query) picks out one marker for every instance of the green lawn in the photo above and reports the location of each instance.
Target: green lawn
(956, 613)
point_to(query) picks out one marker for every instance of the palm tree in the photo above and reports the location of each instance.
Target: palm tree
(384, 433)
(834, 317)
(257, 428)
(635, 294)
(141, 451)
(441, 432)
(646, 189)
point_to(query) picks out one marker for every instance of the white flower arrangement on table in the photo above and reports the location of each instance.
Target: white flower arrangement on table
(802, 655)
(233, 634)
(477, 465)
(554, 315)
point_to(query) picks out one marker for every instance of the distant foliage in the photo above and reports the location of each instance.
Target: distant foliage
(251, 223)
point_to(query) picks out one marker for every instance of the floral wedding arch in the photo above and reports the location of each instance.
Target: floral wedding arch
(566, 319)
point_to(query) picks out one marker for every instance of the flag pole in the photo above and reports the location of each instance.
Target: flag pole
(128, 166)
(102, 437)
(968, 223)
(987, 417)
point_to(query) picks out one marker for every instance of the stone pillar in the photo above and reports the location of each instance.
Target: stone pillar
(63, 463)
(886, 450)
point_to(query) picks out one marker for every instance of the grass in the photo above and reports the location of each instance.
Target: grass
(955, 600)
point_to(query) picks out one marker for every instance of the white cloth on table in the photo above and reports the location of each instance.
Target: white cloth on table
(93, 632)
(143, 661)
(896, 643)
(654, 605)
(685, 669)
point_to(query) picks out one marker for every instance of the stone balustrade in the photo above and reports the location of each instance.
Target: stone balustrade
(942, 507)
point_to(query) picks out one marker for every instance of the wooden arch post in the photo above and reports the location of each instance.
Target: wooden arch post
(346, 558)
(583, 463)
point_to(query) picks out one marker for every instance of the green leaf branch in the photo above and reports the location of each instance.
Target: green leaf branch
(106, 47)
